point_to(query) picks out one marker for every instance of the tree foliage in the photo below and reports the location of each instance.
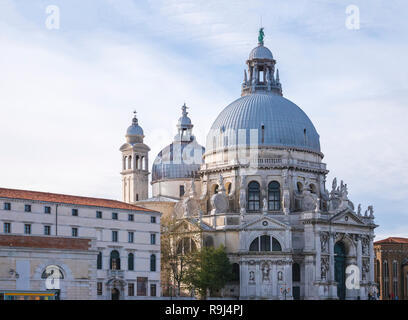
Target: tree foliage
(208, 270)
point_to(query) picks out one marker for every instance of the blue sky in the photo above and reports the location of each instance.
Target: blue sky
(67, 95)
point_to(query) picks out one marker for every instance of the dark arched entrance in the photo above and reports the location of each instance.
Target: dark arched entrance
(115, 294)
(340, 269)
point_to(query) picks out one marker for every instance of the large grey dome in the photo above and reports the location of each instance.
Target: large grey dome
(279, 122)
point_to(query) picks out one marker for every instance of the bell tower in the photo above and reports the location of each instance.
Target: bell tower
(135, 164)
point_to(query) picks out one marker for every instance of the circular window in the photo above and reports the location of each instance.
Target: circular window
(265, 223)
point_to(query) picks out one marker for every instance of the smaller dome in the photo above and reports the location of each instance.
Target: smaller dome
(184, 121)
(135, 132)
(260, 52)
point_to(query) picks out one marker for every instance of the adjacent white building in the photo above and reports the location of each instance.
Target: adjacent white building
(124, 245)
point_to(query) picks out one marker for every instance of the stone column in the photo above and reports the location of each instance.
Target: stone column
(243, 279)
(371, 251)
(274, 280)
(258, 279)
(288, 280)
(318, 246)
(330, 275)
(360, 263)
(332, 235)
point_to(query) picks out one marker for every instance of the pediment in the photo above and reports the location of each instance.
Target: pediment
(190, 225)
(346, 217)
(265, 222)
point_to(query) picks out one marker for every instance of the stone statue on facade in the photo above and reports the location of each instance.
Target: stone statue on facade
(265, 271)
(251, 276)
(286, 201)
(265, 206)
(371, 210)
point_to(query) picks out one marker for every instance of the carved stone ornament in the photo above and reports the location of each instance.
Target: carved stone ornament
(219, 202)
(324, 241)
(324, 266)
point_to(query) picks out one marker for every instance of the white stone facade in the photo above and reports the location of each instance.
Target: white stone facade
(99, 224)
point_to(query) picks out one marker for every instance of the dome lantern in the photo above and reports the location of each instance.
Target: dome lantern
(184, 126)
(261, 70)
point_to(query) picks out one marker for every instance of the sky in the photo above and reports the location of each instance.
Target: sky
(67, 94)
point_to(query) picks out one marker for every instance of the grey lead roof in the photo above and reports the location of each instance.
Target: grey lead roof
(284, 123)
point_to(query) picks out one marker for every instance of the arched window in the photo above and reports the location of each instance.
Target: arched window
(395, 278)
(114, 260)
(274, 196)
(386, 291)
(263, 243)
(313, 188)
(235, 272)
(215, 189)
(296, 272)
(186, 245)
(228, 187)
(130, 162)
(153, 262)
(276, 245)
(131, 261)
(137, 165)
(54, 271)
(253, 196)
(99, 261)
(299, 186)
(208, 242)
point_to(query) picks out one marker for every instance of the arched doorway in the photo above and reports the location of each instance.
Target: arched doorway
(115, 294)
(340, 269)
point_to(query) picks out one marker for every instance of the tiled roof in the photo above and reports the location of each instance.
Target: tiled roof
(64, 198)
(392, 240)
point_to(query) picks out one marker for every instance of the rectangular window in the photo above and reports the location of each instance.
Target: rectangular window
(181, 191)
(75, 232)
(27, 228)
(152, 238)
(152, 290)
(131, 289)
(99, 288)
(99, 214)
(7, 206)
(47, 209)
(130, 237)
(114, 236)
(130, 217)
(152, 219)
(47, 230)
(27, 208)
(114, 216)
(141, 286)
(7, 227)
(75, 212)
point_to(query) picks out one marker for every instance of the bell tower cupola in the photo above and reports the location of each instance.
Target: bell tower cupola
(135, 164)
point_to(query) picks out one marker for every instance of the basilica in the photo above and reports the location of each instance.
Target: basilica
(258, 187)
